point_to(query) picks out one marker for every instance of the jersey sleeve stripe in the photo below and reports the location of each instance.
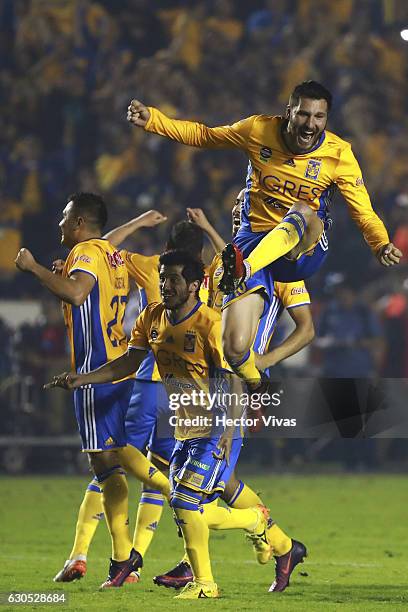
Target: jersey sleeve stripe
(82, 270)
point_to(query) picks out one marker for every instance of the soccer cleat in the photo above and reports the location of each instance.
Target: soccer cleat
(259, 536)
(199, 590)
(74, 569)
(132, 578)
(285, 566)
(234, 269)
(177, 577)
(120, 570)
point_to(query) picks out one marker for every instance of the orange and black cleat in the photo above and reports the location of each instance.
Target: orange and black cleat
(74, 569)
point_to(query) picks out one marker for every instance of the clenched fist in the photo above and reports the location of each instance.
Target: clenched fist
(389, 255)
(25, 260)
(138, 113)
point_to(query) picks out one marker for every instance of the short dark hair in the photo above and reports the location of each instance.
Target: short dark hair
(91, 206)
(193, 267)
(313, 90)
(186, 236)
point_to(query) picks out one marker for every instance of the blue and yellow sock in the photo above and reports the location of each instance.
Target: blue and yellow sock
(89, 515)
(282, 239)
(148, 517)
(115, 503)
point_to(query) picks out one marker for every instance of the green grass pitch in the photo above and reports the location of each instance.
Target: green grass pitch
(354, 527)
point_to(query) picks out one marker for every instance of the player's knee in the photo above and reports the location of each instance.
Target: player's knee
(102, 475)
(235, 345)
(184, 498)
(303, 209)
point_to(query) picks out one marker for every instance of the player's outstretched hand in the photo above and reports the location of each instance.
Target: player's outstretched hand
(152, 218)
(138, 113)
(58, 266)
(389, 255)
(25, 260)
(66, 380)
(224, 445)
(197, 216)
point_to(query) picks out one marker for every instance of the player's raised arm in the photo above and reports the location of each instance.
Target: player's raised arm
(73, 289)
(190, 132)
(350, 182)
(109, 372)
(197, 216)
(147, 219)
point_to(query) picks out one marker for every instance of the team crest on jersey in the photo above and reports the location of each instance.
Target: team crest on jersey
(218, 272)
(154, 334)
(265, 154)
(313, 169)
(189, 342)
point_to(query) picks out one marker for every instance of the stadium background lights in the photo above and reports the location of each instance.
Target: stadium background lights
(404, 34)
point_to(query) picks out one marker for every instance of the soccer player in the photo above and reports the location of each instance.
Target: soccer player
(293, 296)
(294, 167)
(94, 288)
(148, 398)
(184, 335)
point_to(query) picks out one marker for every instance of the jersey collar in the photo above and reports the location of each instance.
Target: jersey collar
(190, 314)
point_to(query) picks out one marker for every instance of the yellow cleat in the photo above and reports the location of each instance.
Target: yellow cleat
(258, 536)
(199, 590)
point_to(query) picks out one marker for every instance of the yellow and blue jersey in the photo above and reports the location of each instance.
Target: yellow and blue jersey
(277, 178)
(189, 357)
(95, 328)
(144, 269)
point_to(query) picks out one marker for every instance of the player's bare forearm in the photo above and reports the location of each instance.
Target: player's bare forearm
(67, 289)
(216, 240)
(148, 219)
(298, 339)
(111, 371)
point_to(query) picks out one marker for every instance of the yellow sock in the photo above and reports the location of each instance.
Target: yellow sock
(135, 462)
(246, 368)
(280, 542)
(148, 516)
(282, 239)
(218, 517)
(244, 497)
(115, 504)
(90, 513)
(196, 535)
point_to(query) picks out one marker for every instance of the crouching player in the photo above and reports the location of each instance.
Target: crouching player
(185, 336)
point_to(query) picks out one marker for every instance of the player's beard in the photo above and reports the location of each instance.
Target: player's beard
(180, 300)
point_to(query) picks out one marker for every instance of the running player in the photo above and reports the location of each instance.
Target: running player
(94, 288)
(295, 298)
(294, 167)
(184, 335)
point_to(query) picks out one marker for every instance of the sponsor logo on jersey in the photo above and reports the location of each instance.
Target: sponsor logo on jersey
(189, 342)
(298, 290)
(115, 259)
(83, 258)
(359, 181)
(274, 203)
(265, 154)
(218, 272)
(313, 169)
(109, 442)
(192, 478)
(290, 162)
(154, 334)
(199, 464)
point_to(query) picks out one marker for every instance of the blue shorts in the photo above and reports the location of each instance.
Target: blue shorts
(100, 412)
(283, 270)
(194, 466)
(147, 420)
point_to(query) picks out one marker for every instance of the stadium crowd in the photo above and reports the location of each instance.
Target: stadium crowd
(68, 71)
